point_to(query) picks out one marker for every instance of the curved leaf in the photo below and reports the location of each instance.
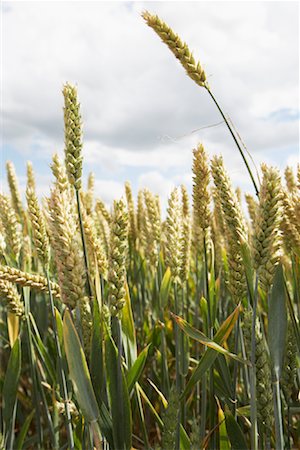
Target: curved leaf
(136, 370)
(10, 384)
(120, 404)
(79, 372)
(277, 321)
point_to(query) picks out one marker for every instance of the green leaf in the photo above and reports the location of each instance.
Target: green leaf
(165, 288)
(235, 434)
(277, 321)
(96, 366)
(59, 324)
(200, 337)
(224, 441)
(128, 331)
(42, 351)
(210, 354)
(136, 370)
(11, 381)
(23, 431)
(79, 372)
(119, 398)
(151, 407)
(185, 443)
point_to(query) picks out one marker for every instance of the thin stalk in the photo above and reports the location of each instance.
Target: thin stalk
(235, 367)
(235, 140)
(278, 414)
(62, 377)
(88, 283)
(164, 362)
(117, 335)
(96, 434)
(196, 322)
(203, 408)
(177, 366)
(253, 409)
(184, 349)
(210, 334)
(32, 362)
(142, 419)
(245, 368)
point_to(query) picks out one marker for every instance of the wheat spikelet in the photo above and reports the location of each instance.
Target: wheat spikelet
(26, 254)
(266, 237)
(152, 228)
(131, 213)
(201, 194)
(39, 233)
(186, 235)
(94, 243)
(100, 208)
(290, 225)
(218, 229)
(117, 260)
(238, 194)
(252, 206)
(86, 323)
(230, 205)
(73, 135)
(173, 234)
(140, 219)
(177, 47)
(9, 293)
(30, 176)
(14, 190)
(34, 281)
(264, 391)
(104, 233)
(11, 226)
(290, 179)
(60, 174)
(89, 195)
(289, 370)
(235, 229)
(67, 250)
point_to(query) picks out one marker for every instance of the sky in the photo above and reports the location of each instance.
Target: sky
(142, 115)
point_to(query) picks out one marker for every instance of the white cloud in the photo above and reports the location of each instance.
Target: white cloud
(134, 93)
(108, 190)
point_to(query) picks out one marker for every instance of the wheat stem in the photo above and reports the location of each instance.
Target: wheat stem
(62, 377)
(235, 140)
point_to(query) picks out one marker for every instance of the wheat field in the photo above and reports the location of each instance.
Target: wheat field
(126, 328)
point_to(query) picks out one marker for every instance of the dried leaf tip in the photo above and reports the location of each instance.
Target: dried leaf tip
(177, 47)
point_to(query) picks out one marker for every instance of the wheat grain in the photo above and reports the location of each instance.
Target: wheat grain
(73, 135)
(177, 47)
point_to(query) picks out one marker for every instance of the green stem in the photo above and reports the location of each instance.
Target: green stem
(35, 394)
(164, 361)
(253, 409)
(278, 414)
(235, 367)
(62, 377)
(235, 140)
(177, 366)
(212, 442)
(88, 283)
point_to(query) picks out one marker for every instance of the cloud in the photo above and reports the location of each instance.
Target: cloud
(139, 108)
